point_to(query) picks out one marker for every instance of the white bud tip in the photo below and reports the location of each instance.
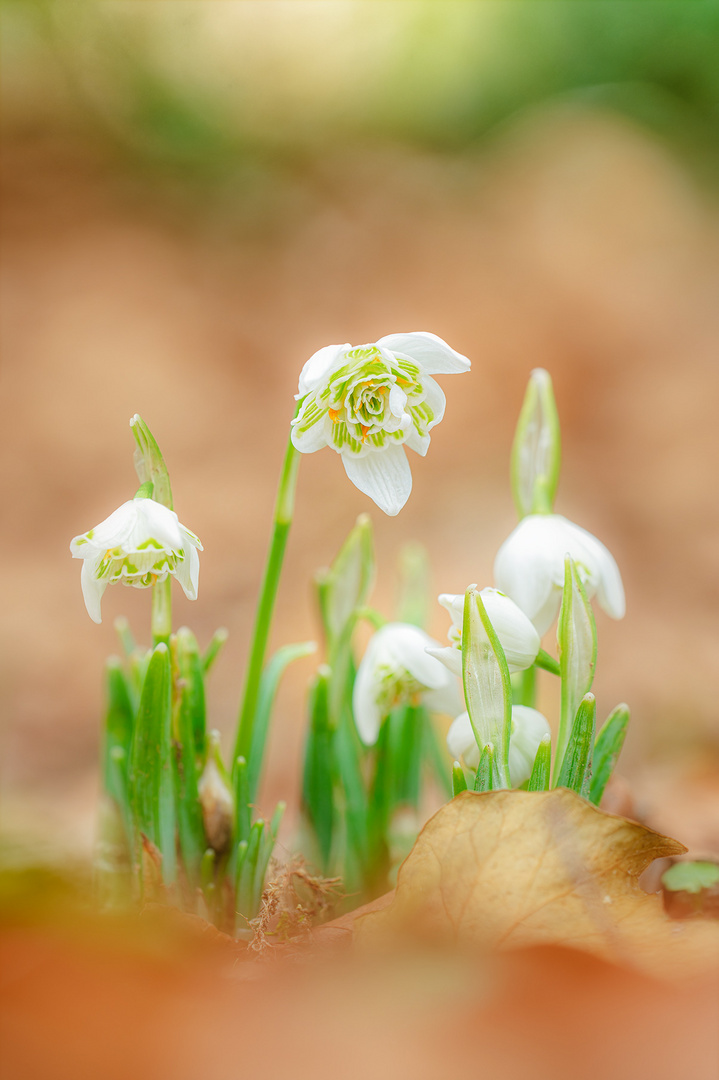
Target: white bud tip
(134, 419)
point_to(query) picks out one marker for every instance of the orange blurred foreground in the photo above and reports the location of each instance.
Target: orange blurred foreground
(151, 999)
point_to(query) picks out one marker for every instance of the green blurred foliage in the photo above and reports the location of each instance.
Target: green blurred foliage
(201, 86)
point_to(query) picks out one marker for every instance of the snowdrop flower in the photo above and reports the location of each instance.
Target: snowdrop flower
(516, 634)
(528, 729)
(396, 670)
(370, 401)
(140, 543)
(530, 568)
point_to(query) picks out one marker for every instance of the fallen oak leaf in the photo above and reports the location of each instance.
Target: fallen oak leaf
(510, 869)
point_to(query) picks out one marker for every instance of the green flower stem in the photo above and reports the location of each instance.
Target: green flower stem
(161, 611)
(284, 508)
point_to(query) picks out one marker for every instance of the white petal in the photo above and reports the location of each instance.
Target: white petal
(454, 604)
(364, 701)
(610, 590)
(157, 522)
(92, 589)
(530, 567)
(314, 437)
(527, 565)
(447, 699)
(517, 635)
(318, 367)
(384, 475)
(418, 443)
(528, 729)
(188, 572)
(115, 529)
(408, 646)
(397, 400)
(434, 355)
(461, 741)
(450, 656)
(434, 397)
(548, 611)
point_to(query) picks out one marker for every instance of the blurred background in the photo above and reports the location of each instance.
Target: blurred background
(197, 195)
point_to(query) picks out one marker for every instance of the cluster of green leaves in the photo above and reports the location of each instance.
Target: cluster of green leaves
(351, 794)
(175, 826)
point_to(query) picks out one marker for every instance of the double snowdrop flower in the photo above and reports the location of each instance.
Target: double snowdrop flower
(370, 401)
(516, 634)
(139, 544)
(397, 670)
(528, 729)
(529, 568)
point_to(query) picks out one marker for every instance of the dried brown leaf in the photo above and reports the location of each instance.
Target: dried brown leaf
(508, 869)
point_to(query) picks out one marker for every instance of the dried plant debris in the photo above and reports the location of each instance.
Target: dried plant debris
(293, 903)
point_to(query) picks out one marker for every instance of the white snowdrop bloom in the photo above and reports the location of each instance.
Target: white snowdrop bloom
(530, 568)
(370, 401)
(139, 544)
(397, 670)
(516, 634)
(529, 727)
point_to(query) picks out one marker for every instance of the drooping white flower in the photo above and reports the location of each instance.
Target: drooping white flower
(139, 544)
(529, 567)
(516, 634)
(397, 670)
(529, 727)
(370, 401)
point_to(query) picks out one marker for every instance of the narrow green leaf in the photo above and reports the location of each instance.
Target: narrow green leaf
(243, 807)
(124, 634)
(319, 770)
(276, 819)
(119, 723)
(487, 685)
(536, 452)
(246, 875)
(541, 770)
(213, 649)
(267, 845)
(151, 781)
(607, 749)
(406, 730)
(577, 642)
(414, 585)
(435, 753)
(487, 778)
(459, 780)
(349, 755)
(547, 663)
(192, 676)
(576, 771)
(188, 723)
(268, 688)
(348, 583)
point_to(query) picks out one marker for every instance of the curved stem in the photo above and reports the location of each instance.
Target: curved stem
(284, 508)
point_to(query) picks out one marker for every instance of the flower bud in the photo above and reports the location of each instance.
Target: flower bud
(536, 453)
(216, 798)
